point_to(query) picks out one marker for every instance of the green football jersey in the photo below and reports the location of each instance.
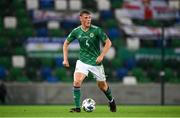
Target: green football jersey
(89, 42)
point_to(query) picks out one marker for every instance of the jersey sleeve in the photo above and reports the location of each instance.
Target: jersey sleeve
(71, 36)
(102, 35)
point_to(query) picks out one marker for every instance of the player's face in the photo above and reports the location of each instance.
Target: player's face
(85, 20)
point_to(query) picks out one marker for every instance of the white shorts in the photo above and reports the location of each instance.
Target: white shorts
(97, 71)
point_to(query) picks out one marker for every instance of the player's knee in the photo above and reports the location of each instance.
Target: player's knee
(77, 83)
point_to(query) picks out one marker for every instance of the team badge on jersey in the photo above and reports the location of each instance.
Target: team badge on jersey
(91, 35)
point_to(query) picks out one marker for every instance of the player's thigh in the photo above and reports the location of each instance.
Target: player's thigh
(81, 68)
(78, 76)
(98, 72)
(81, 71)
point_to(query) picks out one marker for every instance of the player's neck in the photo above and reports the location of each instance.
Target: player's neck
(84, 28)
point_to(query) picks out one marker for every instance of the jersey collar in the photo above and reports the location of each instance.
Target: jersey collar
(84, 30)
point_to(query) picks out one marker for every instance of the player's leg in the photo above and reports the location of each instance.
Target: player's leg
(79, 75)
(78, 79)
(107, 91)
(98, 72)
(105, 88)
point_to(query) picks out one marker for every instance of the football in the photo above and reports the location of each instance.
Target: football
(88, 105)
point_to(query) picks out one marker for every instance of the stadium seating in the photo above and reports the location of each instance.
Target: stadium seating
(45, 72)
(45, 62)
(115, 4)
(113, 33)
(121, 72)
(20, 13)
(129, 80)
(22, 78)
(31, 73)
(46, 4)
(27, 32)
(24, 22)
(42, 32)
(137, 56)
(75, 5)
(169, 74)
(18, 61)
(61, 4)
(58, 62)
(5, 62)
(52, 79)
(90, 5)
(175, 43)
(32, 4)
(56, 33)
(106, 15)
(20, 51)
(53, 25)
(140, 75)
(103, 5)
(3, 73)
(60, 73)
(15, 73)
(10, 22)
(174, 4)
(130, 63)
(133, 43)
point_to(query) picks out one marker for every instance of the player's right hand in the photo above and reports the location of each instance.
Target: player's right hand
(66, 63)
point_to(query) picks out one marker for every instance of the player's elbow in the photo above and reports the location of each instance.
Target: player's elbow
(109, 43)
(65, 45)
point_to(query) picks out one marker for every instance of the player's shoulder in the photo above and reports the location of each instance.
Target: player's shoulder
(95, 27)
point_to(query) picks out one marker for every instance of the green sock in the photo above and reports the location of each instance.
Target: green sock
(76, 96)
(108, 94)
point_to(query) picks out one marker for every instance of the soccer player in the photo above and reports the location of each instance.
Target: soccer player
(90, 58)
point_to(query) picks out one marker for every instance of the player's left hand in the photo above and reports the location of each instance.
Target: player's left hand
(99, 59)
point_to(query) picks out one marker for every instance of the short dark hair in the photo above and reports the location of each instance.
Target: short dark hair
(84, 12)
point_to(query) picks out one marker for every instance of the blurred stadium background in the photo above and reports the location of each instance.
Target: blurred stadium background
(145, 52)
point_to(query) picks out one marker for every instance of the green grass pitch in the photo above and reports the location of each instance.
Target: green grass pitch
(100, 111)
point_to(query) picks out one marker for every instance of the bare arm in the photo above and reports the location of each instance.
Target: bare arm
(104, 51)
(65, 53)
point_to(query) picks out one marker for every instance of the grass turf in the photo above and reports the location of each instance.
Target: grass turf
(101, 111)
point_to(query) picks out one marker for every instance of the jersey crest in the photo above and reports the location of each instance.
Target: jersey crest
(91, 35)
